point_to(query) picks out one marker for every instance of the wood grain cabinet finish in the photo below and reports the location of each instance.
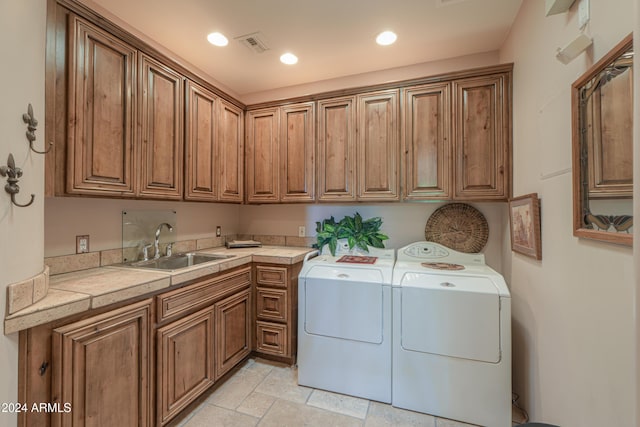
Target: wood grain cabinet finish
(185, 362)
(161, 108)
(102, 367)
(337, 149)
(262, 154)
(378, 146)
(426, 142)
(230, 152)
(297, 153)
(101, 112)
(481, 138)
(201, 144)
(233, 331)
(276, 308)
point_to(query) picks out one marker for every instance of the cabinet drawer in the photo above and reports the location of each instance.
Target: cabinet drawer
(271, 304)
(174, 303)
(272, 338)
(271, 276)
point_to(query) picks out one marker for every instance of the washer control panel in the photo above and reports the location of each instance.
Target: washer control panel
(426, 250)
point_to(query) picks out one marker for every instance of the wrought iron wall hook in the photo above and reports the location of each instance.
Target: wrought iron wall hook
(13, 175)
(32, 124)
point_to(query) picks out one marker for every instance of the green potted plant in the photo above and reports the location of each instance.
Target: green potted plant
(357, 232)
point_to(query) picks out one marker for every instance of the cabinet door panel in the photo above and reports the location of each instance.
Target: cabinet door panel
(378, 146)
(201, 144)
(481, 138)
(231, 153)
(262, 155)
(161, 136)
(336, 150)
(102, 367)
(426, 142)
(233, 331)
(100, 153)
(185, 362)
(297, 158)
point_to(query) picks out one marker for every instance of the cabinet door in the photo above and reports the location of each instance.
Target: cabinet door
(426, 142)
(482, 138)
(102, 367)
(336, 150)
(378, 146)
(185, 362)
(201, 144)
(233, 331)
(297, 146)
(262, 155)
(161, 134)
(231, 153)
(101, 126)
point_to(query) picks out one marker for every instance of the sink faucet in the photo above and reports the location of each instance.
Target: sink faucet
(157, 240)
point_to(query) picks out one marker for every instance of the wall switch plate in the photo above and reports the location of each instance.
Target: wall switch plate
(302, 231)
(583, 13)
(82, 244)
(218, 231)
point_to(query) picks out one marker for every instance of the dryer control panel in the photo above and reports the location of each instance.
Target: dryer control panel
(425, 251)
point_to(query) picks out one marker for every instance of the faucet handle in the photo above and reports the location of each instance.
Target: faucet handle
(145, 251)
(169, 248)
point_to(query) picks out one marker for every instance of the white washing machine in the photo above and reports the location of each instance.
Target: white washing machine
(451, 336)
(344, 324)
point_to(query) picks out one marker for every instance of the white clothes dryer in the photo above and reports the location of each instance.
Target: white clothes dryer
(451, 336)
(344, 324)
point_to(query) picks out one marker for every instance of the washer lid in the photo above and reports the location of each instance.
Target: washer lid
(451, 282)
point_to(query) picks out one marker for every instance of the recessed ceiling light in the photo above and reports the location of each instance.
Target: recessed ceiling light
(288, 58)
(217, 39)
(386, 38)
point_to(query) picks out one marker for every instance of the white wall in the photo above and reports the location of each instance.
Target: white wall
(22, 42)
(573, 312)
(101, 219)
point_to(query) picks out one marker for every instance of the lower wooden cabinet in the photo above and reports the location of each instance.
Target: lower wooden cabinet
(102, 369)
(233, 331)
(144, 363)
(276, 309)
(185, 358)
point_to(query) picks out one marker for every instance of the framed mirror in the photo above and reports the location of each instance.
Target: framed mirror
(602, 127)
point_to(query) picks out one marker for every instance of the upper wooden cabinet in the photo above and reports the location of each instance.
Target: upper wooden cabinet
(262, 152)
(336, 149)
(426, 142)
(230, 153)
(280, 154)
(100, 157)
(378, 146)
(161, 134)
(297, 152)
(481, 138)
(213, 147)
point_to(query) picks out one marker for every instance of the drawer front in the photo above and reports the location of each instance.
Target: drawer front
(271, 276)
(175, 303)
(271, 304)
(272, 338)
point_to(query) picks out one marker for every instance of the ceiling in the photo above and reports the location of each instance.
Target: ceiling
(332, 38)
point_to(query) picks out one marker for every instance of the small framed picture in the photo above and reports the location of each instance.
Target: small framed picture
(524, 221)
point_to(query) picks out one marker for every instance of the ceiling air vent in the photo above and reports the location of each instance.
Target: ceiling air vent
(254, 41)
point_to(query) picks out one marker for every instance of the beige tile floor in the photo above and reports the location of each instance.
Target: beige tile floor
(266, 394)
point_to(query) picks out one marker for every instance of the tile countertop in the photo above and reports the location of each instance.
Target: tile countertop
(79, 291)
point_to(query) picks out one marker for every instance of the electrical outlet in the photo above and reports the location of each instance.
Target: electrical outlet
(218, 231)
(302, 231)
(82, 244)
(583, 13)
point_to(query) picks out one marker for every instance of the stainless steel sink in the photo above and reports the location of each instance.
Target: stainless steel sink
(177, 261)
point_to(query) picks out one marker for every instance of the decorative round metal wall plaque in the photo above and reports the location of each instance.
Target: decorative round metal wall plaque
(458, 226)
